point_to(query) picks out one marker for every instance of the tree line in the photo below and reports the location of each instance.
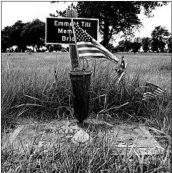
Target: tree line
(33, 34)
(23, 34)
(160, 41)
(27, 34)
(115, 17)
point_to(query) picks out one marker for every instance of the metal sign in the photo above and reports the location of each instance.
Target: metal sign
(59, 30)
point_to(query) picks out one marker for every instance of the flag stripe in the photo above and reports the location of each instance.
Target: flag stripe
(90, 51)
(148, 95)
(157, 92)
(152, 91)
(86, 48)
(84, 43)
(91, 55)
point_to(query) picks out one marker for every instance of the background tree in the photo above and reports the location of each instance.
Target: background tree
(58, 13)
(169, 44)
(127, 45)
(160, 32)
(154, 45)
(115, 16)
(121, 46)
(15, 35)
(34, 33)
(57, 47)
(25, 33)
(5, 38)
(136, 45)
(161, 45)
(110, 47)
(159, 38)
(146, 44)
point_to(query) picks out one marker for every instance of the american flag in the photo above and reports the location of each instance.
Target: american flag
(152, 91)
(89, 47)
(122, 66)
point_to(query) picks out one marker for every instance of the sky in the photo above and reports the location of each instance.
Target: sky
(27, 11)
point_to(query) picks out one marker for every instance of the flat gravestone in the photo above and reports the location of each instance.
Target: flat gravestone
(133, 139)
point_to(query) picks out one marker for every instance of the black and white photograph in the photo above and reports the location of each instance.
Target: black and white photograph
(86, 87)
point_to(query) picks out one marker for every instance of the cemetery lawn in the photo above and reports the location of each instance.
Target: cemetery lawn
(35, 87)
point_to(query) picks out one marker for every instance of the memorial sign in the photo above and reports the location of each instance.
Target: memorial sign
(59, 30)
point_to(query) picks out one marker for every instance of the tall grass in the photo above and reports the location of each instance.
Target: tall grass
(31, 88)
(99, 156)
(38, 86)
(36, 93)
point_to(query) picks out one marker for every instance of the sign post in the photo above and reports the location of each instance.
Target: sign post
(80, 81)
(73, 54)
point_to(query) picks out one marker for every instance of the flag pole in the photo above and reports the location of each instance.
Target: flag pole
(70, 12)
(75, 41)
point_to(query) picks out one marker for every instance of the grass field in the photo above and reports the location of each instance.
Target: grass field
(30, 90)
(25, 75)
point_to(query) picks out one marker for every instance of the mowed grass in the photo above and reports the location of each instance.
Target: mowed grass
(31, 89)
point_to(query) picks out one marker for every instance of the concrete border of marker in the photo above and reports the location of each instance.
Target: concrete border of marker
(68, 133)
